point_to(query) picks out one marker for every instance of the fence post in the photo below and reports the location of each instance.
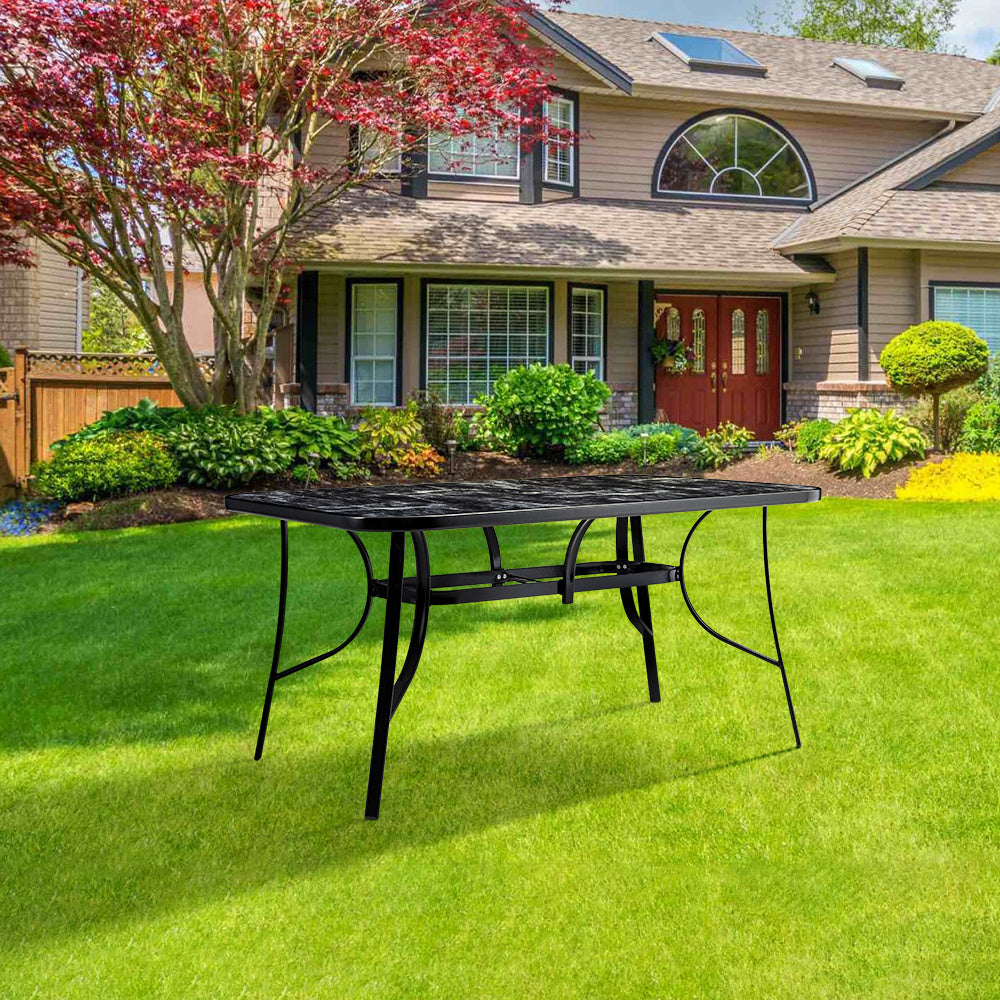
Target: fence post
(22, 416)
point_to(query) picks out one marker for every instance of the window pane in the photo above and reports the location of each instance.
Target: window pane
(977, 308)
(735, 155)
(559, 157)
(739, 343)
(476, 333)
(698, 341)
(763, 347)
(674, 324)
(587, 330)
(474, 156)
(374, 325)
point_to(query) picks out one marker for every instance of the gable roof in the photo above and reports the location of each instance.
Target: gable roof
(798, 70)
(889, 204)
(610, 238)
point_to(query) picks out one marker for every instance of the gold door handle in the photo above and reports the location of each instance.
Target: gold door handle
(725, 375)
(713, 382)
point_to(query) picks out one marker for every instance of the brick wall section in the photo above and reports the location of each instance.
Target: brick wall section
(623, 407)
(832, 400)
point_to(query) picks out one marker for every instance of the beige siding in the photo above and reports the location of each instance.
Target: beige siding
(411, 336)
(330, 331)
(893, 287)
(571, 76)
(471, 190)
(623, 138)
(826, 346)
(623, 333)
(957, 267)
(982, 169)
(560, 323)
(58, 290)
(331, 146)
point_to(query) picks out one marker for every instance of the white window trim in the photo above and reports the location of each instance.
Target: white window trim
(600, 359)
(570, 150)
(781, 198)
(490, 285)
(355, 357)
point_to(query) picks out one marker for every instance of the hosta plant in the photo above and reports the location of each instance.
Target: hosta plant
(866, 440)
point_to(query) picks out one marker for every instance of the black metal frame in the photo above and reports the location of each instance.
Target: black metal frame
(498, 584)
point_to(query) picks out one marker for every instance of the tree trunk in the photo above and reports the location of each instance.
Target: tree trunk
(937, 422)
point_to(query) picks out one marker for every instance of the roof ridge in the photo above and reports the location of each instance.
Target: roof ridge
(764, 34)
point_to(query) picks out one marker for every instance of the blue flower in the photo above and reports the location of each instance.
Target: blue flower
(19, 518)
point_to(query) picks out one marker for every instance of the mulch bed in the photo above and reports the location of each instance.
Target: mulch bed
(186, 504)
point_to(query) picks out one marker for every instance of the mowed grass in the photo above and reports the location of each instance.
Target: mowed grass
(545, 831)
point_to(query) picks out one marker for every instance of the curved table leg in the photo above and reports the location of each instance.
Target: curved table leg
(391, 689)
(569, 563)
(277, 674)
(641, 618)
(775, 660)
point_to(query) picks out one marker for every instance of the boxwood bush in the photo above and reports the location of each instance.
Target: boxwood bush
(104, 466)
(542, 410)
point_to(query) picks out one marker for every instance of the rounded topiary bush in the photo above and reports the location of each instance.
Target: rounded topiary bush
(542, 409)
(106, 466)
(932, 358)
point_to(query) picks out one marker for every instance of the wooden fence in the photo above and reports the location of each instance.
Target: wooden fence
(46, 396)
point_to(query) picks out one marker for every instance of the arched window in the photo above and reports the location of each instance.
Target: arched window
(733, 155)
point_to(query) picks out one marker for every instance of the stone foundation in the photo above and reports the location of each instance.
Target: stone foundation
(832, 400)
(622, 409)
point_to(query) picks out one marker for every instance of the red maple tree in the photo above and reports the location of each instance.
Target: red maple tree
(140, 134)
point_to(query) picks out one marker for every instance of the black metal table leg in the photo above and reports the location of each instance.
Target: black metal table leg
(776, 660)
(282, 596)
(387, 673)
(645, 614)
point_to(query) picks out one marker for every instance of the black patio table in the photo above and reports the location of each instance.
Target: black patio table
(415, 509)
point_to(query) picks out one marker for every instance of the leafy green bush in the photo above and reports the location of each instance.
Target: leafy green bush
(811, 436)
(866, 440)
(307, 434)
(601, 449)
(687, 439)
(718, 447)
(387, 435)
(988, 384)
(952, 412)
(223, 449)
(981, 430)
(5, 358)
(542, 409)
(114, 463)
(144, 416)
(654, 449)
(933, 358)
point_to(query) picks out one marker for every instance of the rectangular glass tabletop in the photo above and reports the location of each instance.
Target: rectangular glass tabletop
(438, 505)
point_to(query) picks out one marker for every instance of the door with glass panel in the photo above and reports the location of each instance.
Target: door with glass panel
(688, 398)
(749, 388)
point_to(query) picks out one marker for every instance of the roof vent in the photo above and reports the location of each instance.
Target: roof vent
(710, 53)
(872, 73)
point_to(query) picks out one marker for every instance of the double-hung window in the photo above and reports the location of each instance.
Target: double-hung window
(978, 308)
(586, 317)
(374, 338)
(476, 333)
(557, 157)
(375, 152)
(490, 156)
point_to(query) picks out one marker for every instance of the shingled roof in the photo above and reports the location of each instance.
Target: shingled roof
(798, 69)
(614, 238)
(887, 205)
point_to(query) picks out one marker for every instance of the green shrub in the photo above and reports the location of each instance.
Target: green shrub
(981, 430)
(542, 409)
(988, 384)
(601, 449)
(952, 412)
(866, 440)
(144, 416)
(718, 447)
(933, 358)
(439, 424)
(387, 435)
(223, 449)
(811, 436)
(654, 449)
(5, 358)
(114, 463)
(307, 434)
(687, 439)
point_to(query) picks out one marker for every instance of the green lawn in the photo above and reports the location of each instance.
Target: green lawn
(545, 831)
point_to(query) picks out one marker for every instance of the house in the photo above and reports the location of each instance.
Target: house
(45, 307)
(783, 206)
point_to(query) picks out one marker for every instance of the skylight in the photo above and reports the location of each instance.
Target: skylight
(710, 52)
(874, 74)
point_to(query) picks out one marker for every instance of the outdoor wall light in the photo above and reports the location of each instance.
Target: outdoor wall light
(813, 300)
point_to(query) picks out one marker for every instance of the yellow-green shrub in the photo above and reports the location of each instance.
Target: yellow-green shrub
(958, 477)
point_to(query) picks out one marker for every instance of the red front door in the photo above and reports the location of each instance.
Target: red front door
(736, 371)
